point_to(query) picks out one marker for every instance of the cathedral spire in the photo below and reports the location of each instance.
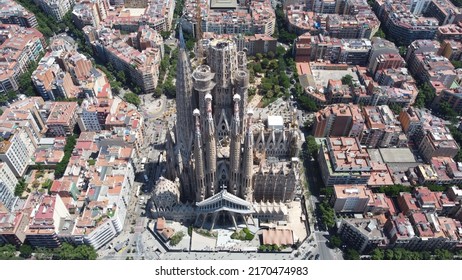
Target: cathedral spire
(199, 160)
(184, 128)
(210, 149)
(248, 160)
(235, 148)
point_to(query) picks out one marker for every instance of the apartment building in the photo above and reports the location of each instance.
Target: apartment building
(51, 81)
(452, 97)
(25, 113)
(302, 48)
(381, 129)
(87, 13)
(430, 67)
(62, 118)
(363, 235)
(440, 171)
(300, 21)
(46, 219)
(355, 51)
(21, 46)
(13, 13)
(142, 67)
(362, 25)
(338, 120)
(387, 61)
(438, 142)
(343, 161)
(404, 22)
(351, 198)
(394, 77)
(128, 121)
(381, 48)
(92, 115)
(108, 193)
(158, 15)
(451, 49)
(12, 225)
(449, 32)
(8, 183)
(56, 8)
(429, 133)
(423, 232)
(444, 11)
(16, 148)
(255, 17)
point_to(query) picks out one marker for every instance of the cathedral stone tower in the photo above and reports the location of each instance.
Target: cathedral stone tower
(185, 124)
(235, 148)
(199, 160)
(222, 58)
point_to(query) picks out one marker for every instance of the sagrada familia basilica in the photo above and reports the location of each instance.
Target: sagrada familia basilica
(222, 159)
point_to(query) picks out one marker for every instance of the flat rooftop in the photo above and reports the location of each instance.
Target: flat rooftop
(322, 76)
(397, 155)
(135, 12)
(221, 4)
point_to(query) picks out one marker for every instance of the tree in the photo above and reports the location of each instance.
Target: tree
(447, 112)
(251, 76)
(336, 241)
(20, 187)
(347, 80)
(380, 33)
(68, 148)
(252, 91)
(176, 238)
(25, 251)
(377, 254)
(258, 57)
(312, 147)
(265, 63)
(307, 103)
(280, 51)
(396, 108)
(7, 252)
(47, 184)
(80, 252)
(165, 34)
(389, 254)
(457, 64)
(393, 190)
(328, 214)
(442, 254)
(169, 88)
(11, 95)
(352, 254)
(257, 67)
(158, 91)
(284, 80)
(425, 96)
(121, 77)
(132, 98)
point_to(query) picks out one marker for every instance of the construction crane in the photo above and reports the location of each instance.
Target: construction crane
(199, 49)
